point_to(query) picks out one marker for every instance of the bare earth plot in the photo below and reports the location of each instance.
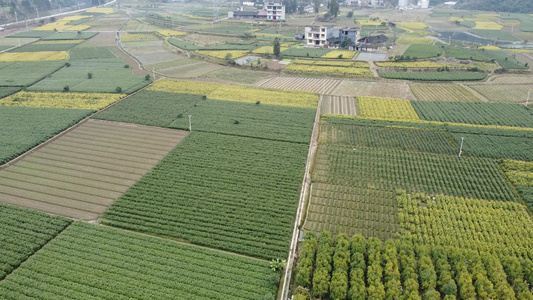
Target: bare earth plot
(313, 85)
(382, 89)
(507, 93)
(443, 92)
(80, 174)
(339, 105)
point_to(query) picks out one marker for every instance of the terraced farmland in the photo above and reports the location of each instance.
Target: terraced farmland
(508, 93)
(313, 85)
(374, 89)
(80, 174)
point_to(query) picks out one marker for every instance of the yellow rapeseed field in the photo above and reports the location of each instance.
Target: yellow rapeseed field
(57, 25)
(33, 56)
(415, 41)
(238, 93)
(267, 49)
(329, 70)
(411, 25)
(170, 32)
(222, 53)
(489, 25)
(75, 18)
(101, 10)
(335, 54)
(519, 172)
(386, 108)
(334, 63)
(490, 48)
(93, 101)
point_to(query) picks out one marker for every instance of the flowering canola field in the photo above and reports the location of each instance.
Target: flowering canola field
(92, 101)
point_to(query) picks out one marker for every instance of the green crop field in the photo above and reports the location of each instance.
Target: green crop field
(434, 76)
(6, 91)
(26, 127)
(422, 51)
(463, 53)
(250, 119)
(498, 35)
(333, 132)
(496, 146)
(26, 73)
(70, 36)
(439, 92)
(369, 269)
(183, 44)
(107, 75)
(503, 114)
(505, 60)
(89, 262)
(44, 47)
(91, 53)
(223, 191)
(416, 172)
(511, 93)
(24, 231)
(151, 108)
(31, 34)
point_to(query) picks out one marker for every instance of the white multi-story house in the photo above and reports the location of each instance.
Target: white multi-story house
(275, 11)
(403, 3)
(424, 4)
(377, 3)
(318, 36)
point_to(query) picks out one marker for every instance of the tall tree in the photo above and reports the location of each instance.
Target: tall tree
(277, 47)
(316, 4)
(334, 8)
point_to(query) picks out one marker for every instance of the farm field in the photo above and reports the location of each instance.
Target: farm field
(238, 93)
(23, 130)
(339, 105)
(439, 92)
(24, 231)
(193, 69)
(503, 114)
(80, 174)
(84, 259)
(234, 75)
(249, 211)
(434, 76)
(312, 85)
(386, 108)
(92, 101)
(6, 91)
(107, 76)
(504, 92)
(26, 73)
(374, 89)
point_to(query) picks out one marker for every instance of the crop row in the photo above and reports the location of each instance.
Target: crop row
(417, 172)
(520, 173)
(92, 101)
(91, 53)
(385, 108)
(88, 262)
(440, 92)
(434, 76)
(414, 40)
(138, 37)
(223, 191)
(500, 228)
(328, 70)
(332, 63)
(222, 54)
(351, 210)
(399, 270)
(238, 93)
(19, 125)
(409, 139)
(24, 231)
(503, 114)
(342, 54)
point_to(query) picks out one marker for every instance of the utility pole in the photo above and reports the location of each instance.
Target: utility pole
(153, 74)
(16, 18)
(37, 9)
(527, 100)
(461, 149)
(190, 127)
